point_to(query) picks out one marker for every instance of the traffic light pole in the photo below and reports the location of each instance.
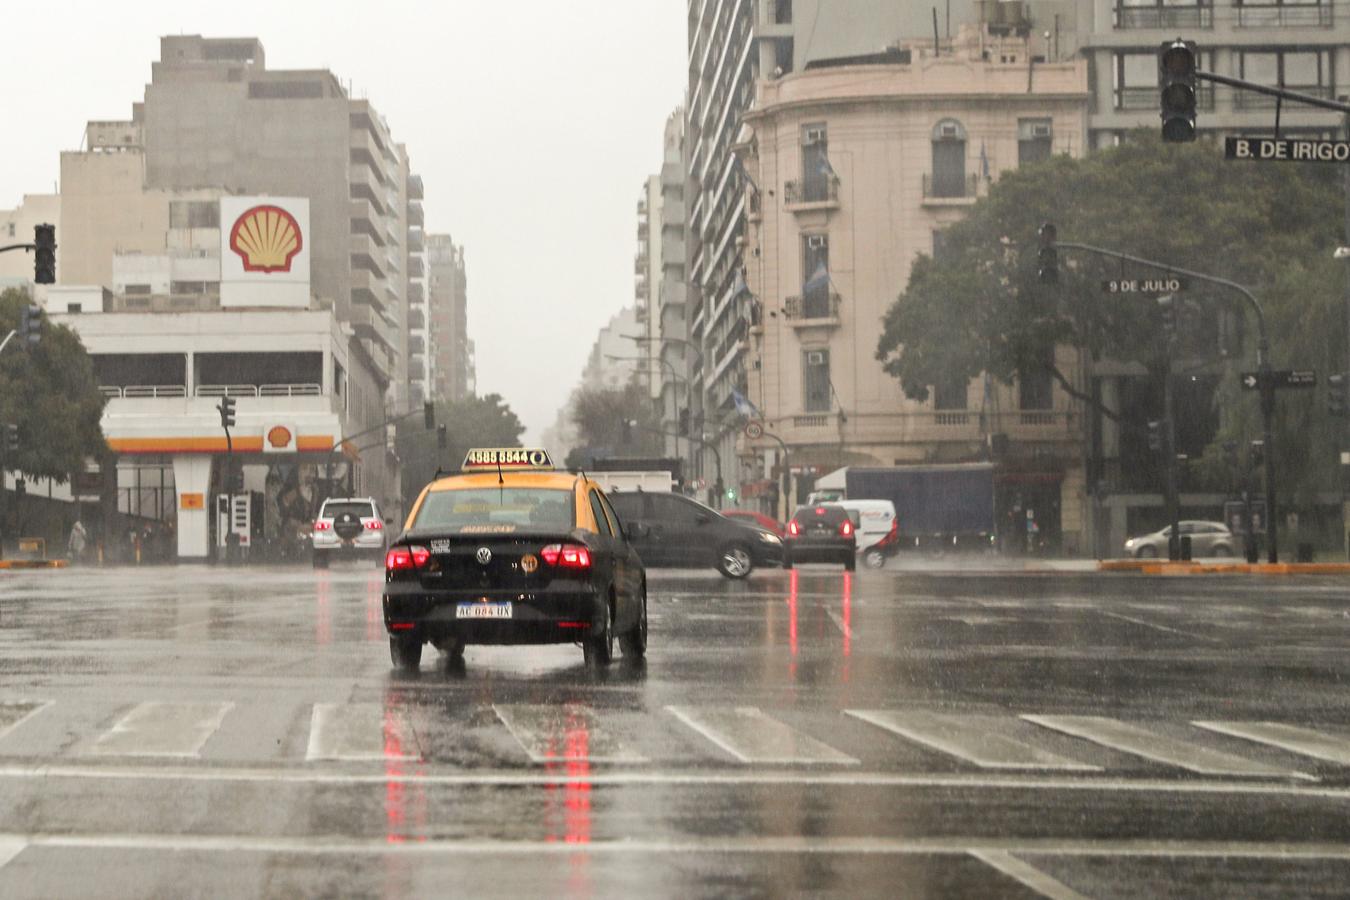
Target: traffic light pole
(1170, 459)
(1267, 386)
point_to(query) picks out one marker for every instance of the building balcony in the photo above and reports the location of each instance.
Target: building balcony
(416, 218)
(1246, 100)
(950, 189)
(933, 427)
(1278, 16)
(363, 216)
(815, 193)
(370, 325)
(818, 309)
(415, 190)
(368, 290)
(416, 295)
(417, 242)
(416, 344)
(416, 321)
(1147, 98)
(367, 255)
(366, 187)
(416, 269)
(641, 263)
(1195, 16)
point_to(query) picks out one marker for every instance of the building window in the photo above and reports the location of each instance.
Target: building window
(137, 290)
(1284, 13)
(1035, 390)
(194, 214)
(817, 173)
(950, 393)
(782, 12)
(1164, 14)
(949, 160)
(816, 380)
(1305, 71)
(1033, 140)
(816, 276)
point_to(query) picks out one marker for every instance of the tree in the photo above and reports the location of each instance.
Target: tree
(615, 422)
(982, 308)
(472, 422)
(50, 392)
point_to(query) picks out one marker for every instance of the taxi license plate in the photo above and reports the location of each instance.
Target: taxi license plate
(483, 611)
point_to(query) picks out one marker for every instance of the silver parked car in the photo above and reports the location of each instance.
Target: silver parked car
(1207, 539)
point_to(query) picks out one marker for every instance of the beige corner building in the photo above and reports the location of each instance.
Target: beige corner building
(857, 166)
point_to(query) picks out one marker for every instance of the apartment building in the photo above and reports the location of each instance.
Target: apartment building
(449, 350)
(676, 353)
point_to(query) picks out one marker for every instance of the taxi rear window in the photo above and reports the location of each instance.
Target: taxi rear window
(508, 508)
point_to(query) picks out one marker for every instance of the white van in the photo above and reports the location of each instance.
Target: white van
(877, 528)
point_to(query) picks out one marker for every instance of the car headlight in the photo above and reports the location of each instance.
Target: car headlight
(770, 538)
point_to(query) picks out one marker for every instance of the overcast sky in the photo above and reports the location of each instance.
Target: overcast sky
(532, 122)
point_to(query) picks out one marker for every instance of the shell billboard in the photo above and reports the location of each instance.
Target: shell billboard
(265, 251)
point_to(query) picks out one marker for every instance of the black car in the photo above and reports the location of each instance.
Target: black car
(514, 558)
(673, 530)
(821, 533)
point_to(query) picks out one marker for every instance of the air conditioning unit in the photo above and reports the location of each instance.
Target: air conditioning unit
(1040, 130)
(815, 358)
(814, 136)
(816, 242)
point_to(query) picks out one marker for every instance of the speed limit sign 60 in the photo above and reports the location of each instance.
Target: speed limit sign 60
(754, 430)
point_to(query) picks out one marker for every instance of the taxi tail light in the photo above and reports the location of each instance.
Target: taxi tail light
(321, 525)
(846, 528)
(406, 559)
(566, 556)
(793, 528)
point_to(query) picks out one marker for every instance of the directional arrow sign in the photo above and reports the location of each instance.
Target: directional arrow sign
(1285, 378)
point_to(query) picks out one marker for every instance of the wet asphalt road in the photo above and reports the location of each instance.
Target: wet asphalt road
(239, 733)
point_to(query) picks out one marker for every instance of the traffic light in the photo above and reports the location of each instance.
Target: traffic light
(442, 437)
(1256, 454)
(1176, 90)
(226, 408)
(30, 325)
(429, 415)
(1336, 394)
(684, 422)
(11, 438)
(1155, 436)
(1047, 258)
(44, 254)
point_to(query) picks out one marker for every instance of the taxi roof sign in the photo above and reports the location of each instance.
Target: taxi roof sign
(534, 459)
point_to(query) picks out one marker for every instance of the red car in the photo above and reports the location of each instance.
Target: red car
(758, 518)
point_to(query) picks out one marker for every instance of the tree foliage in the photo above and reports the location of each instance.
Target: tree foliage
(600, 413)
(49, 391)
(486, 421)
(1272, 228)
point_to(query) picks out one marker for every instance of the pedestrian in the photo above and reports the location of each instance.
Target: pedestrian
(78, 541)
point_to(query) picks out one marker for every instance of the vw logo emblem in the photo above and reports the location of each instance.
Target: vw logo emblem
(484, 556)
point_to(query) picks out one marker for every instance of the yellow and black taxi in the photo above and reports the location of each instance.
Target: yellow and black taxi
(511, 551)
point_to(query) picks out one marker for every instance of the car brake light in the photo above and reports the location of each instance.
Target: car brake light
(846, 529)
(820, 510)
(406, 558)
(794, 528)
(566, 556)
(374, 524)
(321, 525)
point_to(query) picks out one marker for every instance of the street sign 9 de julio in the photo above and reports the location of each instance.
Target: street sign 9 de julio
(1144, 286)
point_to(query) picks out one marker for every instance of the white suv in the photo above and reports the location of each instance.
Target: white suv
(348, 527)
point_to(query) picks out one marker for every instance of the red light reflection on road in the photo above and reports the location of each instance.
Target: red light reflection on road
(405, 801)
(323, 613)
(792, 612)
(847, 600)
(574, 765)
(374, 611)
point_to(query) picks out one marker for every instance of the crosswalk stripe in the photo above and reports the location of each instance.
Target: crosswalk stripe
(1132, 739)
(752, 737)
(359, 731)
(1303, 741)
(163, 729)
(970, 738)
(12, 715)
(570, 732)
(1022, 871)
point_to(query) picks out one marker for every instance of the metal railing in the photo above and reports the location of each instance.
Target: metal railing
(814, 190)
(1268, 15)
(951, 418)
(1250, 100)
(813, 306)
(1148, 98)
(143, 391)
(950, 187)
(290, 390)
(1196, 16)
(819, 421)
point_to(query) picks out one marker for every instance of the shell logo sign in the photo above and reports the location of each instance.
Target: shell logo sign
(266, 238)
(279, 439)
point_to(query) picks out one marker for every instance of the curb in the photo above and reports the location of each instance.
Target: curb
(1164, 567)
(33, 564)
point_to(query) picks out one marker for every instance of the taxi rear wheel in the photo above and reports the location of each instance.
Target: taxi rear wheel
(598, 649)
(634, 643)
(405, 652)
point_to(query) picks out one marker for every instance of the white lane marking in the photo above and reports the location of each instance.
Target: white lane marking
(359, 731)
(1145, 623)
(11, 847)
(838, 620)
(1303, 741)
(570, 732)
(497, 778)
(875, 846)
(970, 738)
(1028, 875)
(1137, 741)
(752, 737)
(14, 714)
(155, 728)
